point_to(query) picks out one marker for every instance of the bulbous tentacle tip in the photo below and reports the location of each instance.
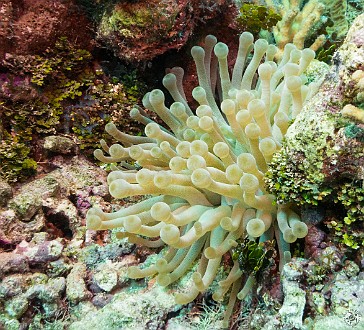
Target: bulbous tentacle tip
(117, 151)
(197, 52)
(170, 234)
(226, 223)
(210, 39)
(178, 109)
(156, 96)
(98, 154)
(221, 149)
(256, 108)
(247, 37)
(134, 113)
(249, 182)
(221, 50)
(267, 146)
(201, 178)
(169, 80)
(261, 45)
(288, 236)
(93, 222)
(132, 224)
(293, 83)
(228, 107)
(300, 229)
(199, 94)
(152, 130)
(210, 253)
(265, 70)
(160, 211)
(308, 54)
(110, 128)
(255, 227)
(163, 280)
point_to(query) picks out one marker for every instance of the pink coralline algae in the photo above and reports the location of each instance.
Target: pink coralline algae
(358, 37)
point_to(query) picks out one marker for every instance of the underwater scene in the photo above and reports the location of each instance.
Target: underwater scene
(182, 165)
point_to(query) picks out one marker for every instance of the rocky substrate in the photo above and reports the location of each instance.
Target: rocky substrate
(57, 275)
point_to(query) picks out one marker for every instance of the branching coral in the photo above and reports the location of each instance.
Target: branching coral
(205, 174)
(298, 22)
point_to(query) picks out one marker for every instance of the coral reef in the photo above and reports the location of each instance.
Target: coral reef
(323, 160)
(206, 174)
(130, 310)
(255, 17)
(53, 203)
(29, 27)
(16, 162)
(61, 90)
(337, 11)
(319, 24)
(300, 20)
(307, 285)
(56, 95)
(139, 31)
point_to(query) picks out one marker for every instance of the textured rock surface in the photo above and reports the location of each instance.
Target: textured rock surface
(30, 26)
(28, 201)
(317, 140)
(12, 263)
(346, 310)
(131, 311)
(106, 277)
(40, 253)
(294, 297)
(76, 290)
(55, 201)
(59, 144)
(5, 192)
(141, 30)
(19, 292)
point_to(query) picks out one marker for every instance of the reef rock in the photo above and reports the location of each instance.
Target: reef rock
(141, 30)
(146, 310)
(327, 138)
(30, 26)
(5, 192)
(322, 160)
(55, 202)
(59, 144)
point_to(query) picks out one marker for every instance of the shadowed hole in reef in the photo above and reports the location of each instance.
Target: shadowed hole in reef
(37, 306)
(57, 224)
(6, 245)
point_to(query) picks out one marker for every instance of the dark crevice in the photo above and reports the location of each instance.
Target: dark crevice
(57, 224)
